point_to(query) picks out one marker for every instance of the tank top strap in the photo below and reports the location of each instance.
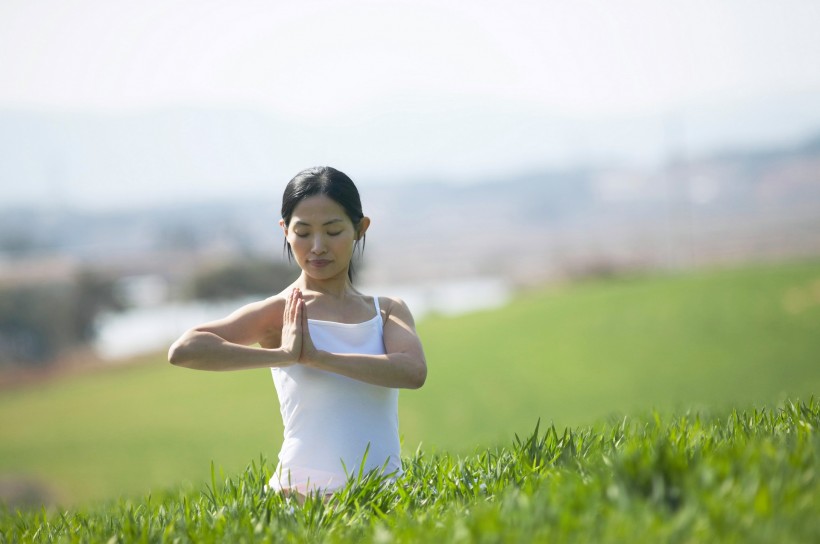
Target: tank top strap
(378, 314)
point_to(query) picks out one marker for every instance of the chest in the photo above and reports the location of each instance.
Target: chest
(349, 312)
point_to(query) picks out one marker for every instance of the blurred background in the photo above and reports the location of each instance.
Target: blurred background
(501, 149)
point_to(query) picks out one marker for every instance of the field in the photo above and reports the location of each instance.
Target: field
(744, 477)
(582, 355)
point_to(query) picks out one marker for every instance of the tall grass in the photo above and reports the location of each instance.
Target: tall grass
(743, 476)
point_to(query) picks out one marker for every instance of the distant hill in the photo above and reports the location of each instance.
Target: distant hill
(529, 224)
(184, 154)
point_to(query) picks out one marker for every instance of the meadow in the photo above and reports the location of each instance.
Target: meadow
(574, 356)
(747, 476)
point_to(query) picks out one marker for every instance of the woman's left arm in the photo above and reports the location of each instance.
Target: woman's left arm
(402, 366)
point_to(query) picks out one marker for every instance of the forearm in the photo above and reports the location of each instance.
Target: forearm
(398, 370)
(206, 351)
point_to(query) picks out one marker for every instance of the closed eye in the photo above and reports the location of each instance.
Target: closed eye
(334, 233)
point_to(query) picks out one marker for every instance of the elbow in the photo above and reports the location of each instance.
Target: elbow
(177, 353)
(418, 378)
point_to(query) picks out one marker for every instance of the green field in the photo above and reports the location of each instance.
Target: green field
(580, 354)
(744, 476)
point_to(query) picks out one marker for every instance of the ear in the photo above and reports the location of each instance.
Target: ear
(284, 227)
(364, 224)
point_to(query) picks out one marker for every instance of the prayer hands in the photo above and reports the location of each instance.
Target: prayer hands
(296, 339)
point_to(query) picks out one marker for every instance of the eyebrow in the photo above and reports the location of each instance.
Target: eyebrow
(299, 223)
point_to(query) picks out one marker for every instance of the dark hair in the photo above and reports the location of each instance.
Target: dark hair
(324, 180)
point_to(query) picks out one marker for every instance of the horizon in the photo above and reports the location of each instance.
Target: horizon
(93, 162)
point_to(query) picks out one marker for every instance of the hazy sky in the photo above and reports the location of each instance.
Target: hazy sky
(500, 72)
(331, 58)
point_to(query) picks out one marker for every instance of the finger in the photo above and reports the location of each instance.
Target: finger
(306, 345)
(306, 340)
(293, 309)
(299, 315)
(288, 304)
(299, 302)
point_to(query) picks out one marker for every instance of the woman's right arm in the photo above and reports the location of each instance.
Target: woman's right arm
(228, 344)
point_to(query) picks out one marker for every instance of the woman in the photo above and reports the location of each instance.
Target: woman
(337, 356)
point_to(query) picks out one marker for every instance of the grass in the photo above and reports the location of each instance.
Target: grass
(571, 356)
(745, 476)
(717, 338)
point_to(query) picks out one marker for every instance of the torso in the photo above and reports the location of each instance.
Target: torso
(330, 420)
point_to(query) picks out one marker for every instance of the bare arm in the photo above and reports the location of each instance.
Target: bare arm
(402, 366)
(228, 344)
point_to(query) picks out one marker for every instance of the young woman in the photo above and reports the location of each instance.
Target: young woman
(338, 357)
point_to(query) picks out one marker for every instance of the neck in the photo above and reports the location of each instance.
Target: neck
(337, 287)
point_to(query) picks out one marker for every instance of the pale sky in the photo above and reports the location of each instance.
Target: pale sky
(450, 85)
(329, 58)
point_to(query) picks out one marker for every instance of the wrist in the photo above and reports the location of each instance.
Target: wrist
(281, 357)
(315, 359)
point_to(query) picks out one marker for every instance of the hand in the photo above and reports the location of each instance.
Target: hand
(309, 352)
(292, 322)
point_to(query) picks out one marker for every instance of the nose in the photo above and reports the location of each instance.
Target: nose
(318, 246)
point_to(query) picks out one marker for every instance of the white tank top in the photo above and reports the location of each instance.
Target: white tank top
(330, 420)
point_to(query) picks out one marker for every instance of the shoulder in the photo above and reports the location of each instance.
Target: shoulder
(387, 302)
(395, 307)
(263, 320)
(270, 304)
(268, 311)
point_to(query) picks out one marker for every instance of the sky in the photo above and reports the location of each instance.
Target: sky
(431, 87)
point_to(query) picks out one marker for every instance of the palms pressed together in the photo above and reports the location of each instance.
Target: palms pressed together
(296, 339)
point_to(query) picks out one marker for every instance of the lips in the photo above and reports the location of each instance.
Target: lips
(319, 263)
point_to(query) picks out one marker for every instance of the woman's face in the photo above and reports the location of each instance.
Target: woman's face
(322, 236)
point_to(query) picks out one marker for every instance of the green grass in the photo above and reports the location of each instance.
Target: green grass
(576, 355)
(573, 356)
(744, 476)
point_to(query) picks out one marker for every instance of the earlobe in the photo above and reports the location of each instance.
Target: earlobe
(364, 224)
(284, 227)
